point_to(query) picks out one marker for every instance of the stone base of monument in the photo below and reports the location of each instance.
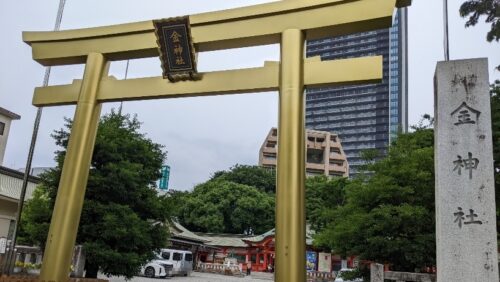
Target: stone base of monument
(378, 274)
(28, 278)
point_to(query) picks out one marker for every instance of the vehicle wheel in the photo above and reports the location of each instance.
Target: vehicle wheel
(149, 272)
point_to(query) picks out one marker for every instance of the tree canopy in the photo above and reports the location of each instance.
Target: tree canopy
(221, 206)
(242, 199)
(323, 194)
(121, 222)
(261, 178)
(474, 9)
(388, 216)
(238, 200)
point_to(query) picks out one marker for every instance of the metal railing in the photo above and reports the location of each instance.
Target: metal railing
(317, 276)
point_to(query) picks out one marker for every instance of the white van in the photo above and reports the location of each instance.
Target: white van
(158, 267)
(182, 261)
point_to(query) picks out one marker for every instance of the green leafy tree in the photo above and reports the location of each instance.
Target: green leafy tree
(388, 217)
(121, 222)
(261, 178)
(221, 206)
(474, 9)
(175, 201)
(323, 194)
(35, 219)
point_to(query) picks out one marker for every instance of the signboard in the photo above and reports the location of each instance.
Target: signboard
(176, 49)
(325, 262)
(165, 176)
(3, 245)
(311, 261)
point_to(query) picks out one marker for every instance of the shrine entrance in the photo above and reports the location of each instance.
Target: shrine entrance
(176, 41)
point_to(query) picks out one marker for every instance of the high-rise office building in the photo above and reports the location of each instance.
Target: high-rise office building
(364, 116)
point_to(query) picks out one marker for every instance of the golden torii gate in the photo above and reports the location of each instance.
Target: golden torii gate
(289, 23)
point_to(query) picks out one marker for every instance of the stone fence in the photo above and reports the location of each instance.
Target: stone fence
(219, 268)
(316, 276)
(378, 274)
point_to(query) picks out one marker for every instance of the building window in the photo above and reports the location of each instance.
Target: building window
(315, 156)
(2, 127)
(270, 157)
(270, 144)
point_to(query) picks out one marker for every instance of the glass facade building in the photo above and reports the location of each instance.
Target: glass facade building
(364, 116)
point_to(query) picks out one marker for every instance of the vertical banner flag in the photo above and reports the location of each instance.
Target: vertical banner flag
(165, 175)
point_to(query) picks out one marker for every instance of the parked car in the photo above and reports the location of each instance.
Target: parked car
(181, 261)
(345, 270)
(158, 267)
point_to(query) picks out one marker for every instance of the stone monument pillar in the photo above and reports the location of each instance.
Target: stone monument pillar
(376, 272)
(466, 231)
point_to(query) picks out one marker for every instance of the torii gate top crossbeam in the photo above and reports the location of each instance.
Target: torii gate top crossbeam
(234, 28)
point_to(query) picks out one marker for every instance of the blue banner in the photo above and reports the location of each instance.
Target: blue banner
(311, 261)
(165, 175)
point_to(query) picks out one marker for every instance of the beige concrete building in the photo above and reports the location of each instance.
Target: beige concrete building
(324, 153)
(6, 118)
(11, 180)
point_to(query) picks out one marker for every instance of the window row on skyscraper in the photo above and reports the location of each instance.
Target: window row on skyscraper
(349, 37)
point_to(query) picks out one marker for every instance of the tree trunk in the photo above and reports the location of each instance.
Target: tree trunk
(91, 270)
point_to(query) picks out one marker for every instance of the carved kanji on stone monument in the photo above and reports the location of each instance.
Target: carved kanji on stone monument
(459, 217)
(465, 115)
(467, 164)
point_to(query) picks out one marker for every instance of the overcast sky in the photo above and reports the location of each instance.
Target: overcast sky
(201, 135)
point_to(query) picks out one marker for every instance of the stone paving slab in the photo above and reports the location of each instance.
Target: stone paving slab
(195, 277)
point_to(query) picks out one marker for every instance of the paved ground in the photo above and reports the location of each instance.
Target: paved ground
(199, 277)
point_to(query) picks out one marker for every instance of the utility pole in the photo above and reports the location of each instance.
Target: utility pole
(10, 257)
(446, 35)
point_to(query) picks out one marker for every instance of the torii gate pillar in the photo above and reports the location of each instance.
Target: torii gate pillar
(290, 188)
